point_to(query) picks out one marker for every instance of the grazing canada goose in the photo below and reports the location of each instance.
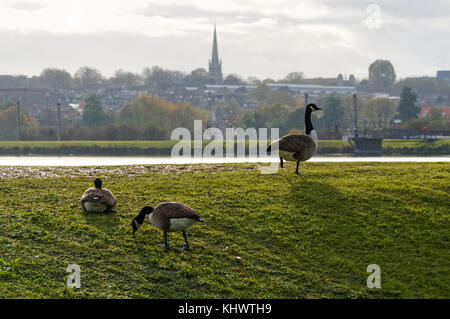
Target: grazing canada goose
(168, 216)
(298, 147)
(97, 200)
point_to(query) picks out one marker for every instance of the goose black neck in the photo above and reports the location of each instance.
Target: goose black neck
(308, 123)
(140, 218)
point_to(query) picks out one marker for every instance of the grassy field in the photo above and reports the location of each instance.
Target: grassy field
(266, 236)
(57, 144)
(406, 147)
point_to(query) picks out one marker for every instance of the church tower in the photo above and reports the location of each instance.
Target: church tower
(215, 65)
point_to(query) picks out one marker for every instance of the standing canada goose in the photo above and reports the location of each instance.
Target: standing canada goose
(298, 147)
(169, 217)
(97, 200)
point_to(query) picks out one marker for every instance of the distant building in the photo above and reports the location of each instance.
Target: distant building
(445, 111)
(215, 65)
(340, 80)
(220, 122)
(419, 78)
(443, 75)
(284, 87)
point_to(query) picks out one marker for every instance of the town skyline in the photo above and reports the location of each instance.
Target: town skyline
(270, 41)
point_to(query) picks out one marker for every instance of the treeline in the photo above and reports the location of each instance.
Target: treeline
(146, 118)
(381, 78)
(152, 118)
(153, 79)
(338, 115)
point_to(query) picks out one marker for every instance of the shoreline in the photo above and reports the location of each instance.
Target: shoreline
(164, 148)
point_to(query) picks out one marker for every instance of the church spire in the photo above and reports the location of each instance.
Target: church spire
(215, 52)
(215, 65)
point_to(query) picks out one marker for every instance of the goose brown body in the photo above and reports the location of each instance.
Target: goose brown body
(298, 147)
(169, 217)
(302, 147)
(164, 215)
(93, 194)
(97, 200)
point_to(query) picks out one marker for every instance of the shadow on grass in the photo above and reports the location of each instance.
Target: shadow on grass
(107, 222)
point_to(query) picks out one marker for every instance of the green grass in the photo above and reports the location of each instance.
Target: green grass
(266, 236)
(416, 147)
(57, 144)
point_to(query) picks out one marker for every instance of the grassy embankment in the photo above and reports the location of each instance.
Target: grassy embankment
(163, 148)
(266, 236)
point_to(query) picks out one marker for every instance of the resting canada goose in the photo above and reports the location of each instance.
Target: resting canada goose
(97, 200)
(298, 147)
(168, 216)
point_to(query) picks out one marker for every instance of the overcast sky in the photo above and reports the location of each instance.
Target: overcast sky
(262, 38)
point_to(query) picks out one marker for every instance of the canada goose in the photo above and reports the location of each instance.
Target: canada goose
(97, 200)
(298, 147)
(168, 216)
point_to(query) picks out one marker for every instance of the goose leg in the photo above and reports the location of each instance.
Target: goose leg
(186, 244)
(296, 171)
(165, 244)
(281, 162)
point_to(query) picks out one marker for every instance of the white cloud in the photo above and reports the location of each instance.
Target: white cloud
(266, 38)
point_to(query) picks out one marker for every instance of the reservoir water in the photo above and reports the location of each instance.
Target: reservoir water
(143, 160)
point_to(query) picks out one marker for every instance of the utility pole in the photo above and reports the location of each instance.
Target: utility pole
(59, 122)
(18, 120)
(355, 130)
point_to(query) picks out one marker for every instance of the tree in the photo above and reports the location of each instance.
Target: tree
(8, 123)
(160, 79)
(273, 116)
(55, 78)
(261, 92)
(233, 79)
(380, 112)
(88, 78)
(277, 97)
(296, 119)
(364, 86)
(407, 107)
(151, 112)
(93, 114)
(126, 79)
(333, 114)
(436, 115)
(381, 75)
(433, 121)
(440, 100)
(251, 80)
(198, 77)
(268, 80)
(293, 78)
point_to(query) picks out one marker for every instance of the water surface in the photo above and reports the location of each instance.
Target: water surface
(143, 160)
